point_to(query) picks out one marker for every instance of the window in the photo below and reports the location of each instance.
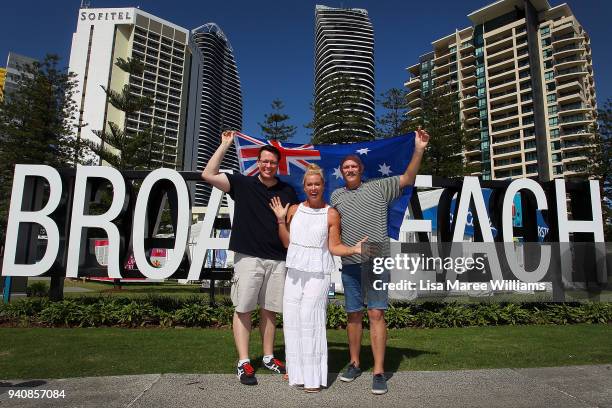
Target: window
(547, 53)
(552, 109)
(553, 121)
(544, 31)
(554, 133)
(551, 98)
(551, 87)
(556, 157)
(556, 145)
(546, 42)
(549, 75)
(531, 156)
(479, 51)
(558, 170)
(530, 144)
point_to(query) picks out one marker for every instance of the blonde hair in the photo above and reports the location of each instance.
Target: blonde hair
(313, 169)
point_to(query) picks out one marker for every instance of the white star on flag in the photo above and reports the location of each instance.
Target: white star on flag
(384, 169)
(365, 151)
(337, 172)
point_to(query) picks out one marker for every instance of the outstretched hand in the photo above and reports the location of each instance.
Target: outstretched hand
(227, 137)
(421, 139)
(277, 206)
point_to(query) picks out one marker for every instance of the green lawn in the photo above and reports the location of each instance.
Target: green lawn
(55, 353)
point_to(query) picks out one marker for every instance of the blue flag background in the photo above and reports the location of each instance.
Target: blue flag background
(382, 158)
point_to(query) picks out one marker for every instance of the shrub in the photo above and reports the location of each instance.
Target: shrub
(38, 289)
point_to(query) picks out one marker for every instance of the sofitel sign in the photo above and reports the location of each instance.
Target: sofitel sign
(106, 16)
(71, 196)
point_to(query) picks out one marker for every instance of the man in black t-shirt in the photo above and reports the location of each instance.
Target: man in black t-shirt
(259, 260)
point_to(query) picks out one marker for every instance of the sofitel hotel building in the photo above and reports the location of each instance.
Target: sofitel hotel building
(524, 77)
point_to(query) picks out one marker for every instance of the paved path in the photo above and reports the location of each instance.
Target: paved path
(579, 386)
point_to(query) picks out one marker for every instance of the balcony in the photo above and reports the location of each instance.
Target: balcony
(567, 63)
(558, 42)
(574, 108)
(567, 74)
(413, 82)
(568, 50)
(503, 95)
(502, 84)
(575, 120)
(506, 106)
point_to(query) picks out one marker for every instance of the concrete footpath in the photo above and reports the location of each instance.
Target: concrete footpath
(578, 386)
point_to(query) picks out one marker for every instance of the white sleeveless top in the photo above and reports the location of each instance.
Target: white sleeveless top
(308, 239)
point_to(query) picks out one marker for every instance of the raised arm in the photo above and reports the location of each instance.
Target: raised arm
(335, 245)
(283, 218)
(211, 173)
(420, 143)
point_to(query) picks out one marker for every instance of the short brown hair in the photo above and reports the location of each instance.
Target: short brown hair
(271, 149)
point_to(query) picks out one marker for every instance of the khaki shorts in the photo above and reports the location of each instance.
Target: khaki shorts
(258, 281)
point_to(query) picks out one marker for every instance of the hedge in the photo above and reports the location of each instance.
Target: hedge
(194, 312)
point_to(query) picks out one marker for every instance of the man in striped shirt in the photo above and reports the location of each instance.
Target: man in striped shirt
(363, 208)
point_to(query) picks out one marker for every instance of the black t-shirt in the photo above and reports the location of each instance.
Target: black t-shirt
(255, 229)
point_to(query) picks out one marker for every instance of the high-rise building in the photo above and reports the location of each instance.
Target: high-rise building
(217, 103)
(524, 77)
(345, 46)
(15, 64)
(103, 36)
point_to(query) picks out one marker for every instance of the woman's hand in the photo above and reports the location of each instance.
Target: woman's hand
(357, 247)
(279, 210)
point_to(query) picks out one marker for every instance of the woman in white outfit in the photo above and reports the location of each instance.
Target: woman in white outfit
(311, 232)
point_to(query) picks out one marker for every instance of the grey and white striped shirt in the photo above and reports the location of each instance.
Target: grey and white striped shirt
(363, 211)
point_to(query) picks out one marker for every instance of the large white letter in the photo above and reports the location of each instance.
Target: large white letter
(414, 225)
(471, 189)
(103, 221)
(182, 226)
(508, 231)
(205, 241)
(40, 217)
(566, 226)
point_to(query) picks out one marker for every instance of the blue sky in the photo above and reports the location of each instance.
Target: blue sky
(273, 40)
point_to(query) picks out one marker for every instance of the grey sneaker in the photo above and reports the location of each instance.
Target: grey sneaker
(351, 373)
(379, 384)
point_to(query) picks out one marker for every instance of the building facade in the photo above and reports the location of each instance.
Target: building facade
(14, 71)
(344, 45)
(103, 36)
(216, 97)
(524, 77)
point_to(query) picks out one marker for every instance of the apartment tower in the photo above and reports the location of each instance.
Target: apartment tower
(216, 86)
(524, 77)
(345, 47)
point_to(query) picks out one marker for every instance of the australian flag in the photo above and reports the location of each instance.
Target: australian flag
(381, 158)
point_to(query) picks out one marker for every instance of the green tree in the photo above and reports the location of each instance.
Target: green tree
(394, 121)
(274, 126)
(37, 124)
(599, 163)
(127, 149)
(337, 116)
(440, 117)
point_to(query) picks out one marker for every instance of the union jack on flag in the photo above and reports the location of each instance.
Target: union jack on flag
(247, 148)
(382, 158)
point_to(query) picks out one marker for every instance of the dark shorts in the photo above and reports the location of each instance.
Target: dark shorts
(359, 291)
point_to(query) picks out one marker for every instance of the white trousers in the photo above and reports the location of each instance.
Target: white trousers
(304, 318)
